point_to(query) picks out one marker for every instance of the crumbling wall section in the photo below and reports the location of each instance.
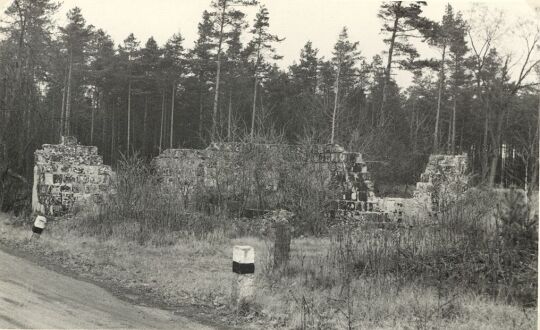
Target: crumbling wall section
(188, 168)
(443, 181)
(66, 174)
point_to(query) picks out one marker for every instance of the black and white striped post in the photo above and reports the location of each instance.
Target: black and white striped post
(39, 225)
(244, 274)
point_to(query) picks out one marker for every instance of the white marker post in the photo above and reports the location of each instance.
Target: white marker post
(39, 225)
(244, 270)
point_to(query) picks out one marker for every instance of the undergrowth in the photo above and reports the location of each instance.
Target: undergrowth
(348, 277)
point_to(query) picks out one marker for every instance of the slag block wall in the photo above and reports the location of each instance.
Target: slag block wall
(187, 168)
(68, 173)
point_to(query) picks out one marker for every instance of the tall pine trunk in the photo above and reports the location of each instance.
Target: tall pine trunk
(68, 96)
(535, 170)
(201, 109)
(216, 98)
(62, 110)
(162, 121)
(336, 99)
(229, 117)
(453, 142)
(172, 117)
(253, 110)
(93, 118)
(103, 111)
(439, 97)
(92, 126)
(454, 106)
(388, 70)
(493, 165)
(485, 143)
(218, 71)
(145, 127)
(497, 140)
(113, 126)
(129, 118)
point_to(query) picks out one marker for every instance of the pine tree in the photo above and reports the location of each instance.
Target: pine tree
(101, 73)
(344, 59)
(226, 17)
(442, 35)
(306, 110)
(174, 58)
(400, 21)
(201, 64)
(458, 76)
(130, 56)
(258, 49)
(76, 36)
(151, 69)
(27, 30)
(305, 72)
(235, 68)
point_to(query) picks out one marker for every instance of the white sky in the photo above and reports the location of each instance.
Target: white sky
(296, 20)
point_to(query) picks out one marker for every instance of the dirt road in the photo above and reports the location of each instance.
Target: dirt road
(35, 297)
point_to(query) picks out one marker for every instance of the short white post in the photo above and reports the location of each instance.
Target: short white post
(244, 274)
(39, 225)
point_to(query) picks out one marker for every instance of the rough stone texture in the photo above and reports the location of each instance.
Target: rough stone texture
(393, 207)
(441, 183)
(66, 174)
(188, 168)
(443, 180)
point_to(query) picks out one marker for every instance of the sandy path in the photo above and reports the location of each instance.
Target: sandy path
(35, 297)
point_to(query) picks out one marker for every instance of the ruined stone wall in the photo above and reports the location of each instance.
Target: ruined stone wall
(441, 183)
(66, 174)
(217, 164)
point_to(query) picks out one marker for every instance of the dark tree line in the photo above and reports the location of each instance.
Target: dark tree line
(142, 97)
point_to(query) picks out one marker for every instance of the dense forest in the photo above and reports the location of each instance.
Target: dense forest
(141, 97)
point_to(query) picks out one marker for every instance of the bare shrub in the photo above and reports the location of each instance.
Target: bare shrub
(143, 209)
(261, 177)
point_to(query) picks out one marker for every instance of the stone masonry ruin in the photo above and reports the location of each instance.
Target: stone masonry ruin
(66, 174)
(444, 178)
(187, 168)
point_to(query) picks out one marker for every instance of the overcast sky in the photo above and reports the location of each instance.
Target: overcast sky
(295, 20)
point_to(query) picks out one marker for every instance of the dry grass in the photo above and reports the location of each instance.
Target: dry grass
(311, 293)
(467, 270)
(307, 294)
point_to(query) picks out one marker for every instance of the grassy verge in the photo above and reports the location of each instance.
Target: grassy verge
(195, 270)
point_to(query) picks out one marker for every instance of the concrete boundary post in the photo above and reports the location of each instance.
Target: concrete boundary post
(244, 274)
(39, 225)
